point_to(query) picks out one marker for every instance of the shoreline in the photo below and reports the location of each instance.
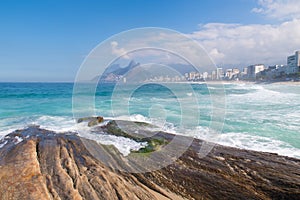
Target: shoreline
(171, 132)
(233, 82)
(181, 82)
(256, 82)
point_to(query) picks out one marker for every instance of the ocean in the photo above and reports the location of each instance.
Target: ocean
(261, 117)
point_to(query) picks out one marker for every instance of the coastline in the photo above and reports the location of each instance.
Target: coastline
(283, 83)
(256, 82)
(235, 82)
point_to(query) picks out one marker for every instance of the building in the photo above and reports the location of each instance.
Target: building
(235, 71)
(293, 63)
(228, 74)
(186, 75)
(243, 74)
(192, 76)
(220, 74)
(245, 70)
(205, 75)
(253, 70)
(213, 75)
(235, 74)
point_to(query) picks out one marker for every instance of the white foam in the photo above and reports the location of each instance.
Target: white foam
(262, 94)
(135, 117)
(3, 144)
(124, 145)
(63, 124)
(18, 139)
(239, 140)
(259, 143)
(248, 141)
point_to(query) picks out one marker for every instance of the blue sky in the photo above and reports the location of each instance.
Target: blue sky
(48, 40)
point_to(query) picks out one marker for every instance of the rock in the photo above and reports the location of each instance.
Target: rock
(136, 131)
(46, 165)
(86, 119)
(95, 121)
(92, 121)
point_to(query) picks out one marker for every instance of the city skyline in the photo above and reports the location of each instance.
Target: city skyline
(253, 72)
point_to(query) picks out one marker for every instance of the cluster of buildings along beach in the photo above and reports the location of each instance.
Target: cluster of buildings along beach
(256, 72)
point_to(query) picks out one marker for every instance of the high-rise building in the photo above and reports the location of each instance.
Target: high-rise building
(205, 75)
(228, 74)
(253, 70)
(192, 75)
(213, 75)
(293, 63)
(220, 74)
(235, 71)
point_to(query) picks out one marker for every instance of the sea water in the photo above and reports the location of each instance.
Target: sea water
(262, 117)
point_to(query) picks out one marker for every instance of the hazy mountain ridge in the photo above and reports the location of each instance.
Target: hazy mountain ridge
(114, 72)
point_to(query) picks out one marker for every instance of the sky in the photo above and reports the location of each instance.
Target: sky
(48, 40)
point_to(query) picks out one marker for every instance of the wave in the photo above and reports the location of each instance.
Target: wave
(258, 143)
(62, 124)
(232, 139)
(245, 141)
(260, 94)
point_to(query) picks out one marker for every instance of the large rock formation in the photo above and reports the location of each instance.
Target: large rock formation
(40, 164)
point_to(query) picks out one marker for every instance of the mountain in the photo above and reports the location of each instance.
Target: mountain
(115, 71)
(123, 70)
(111, 68)
(183, 68)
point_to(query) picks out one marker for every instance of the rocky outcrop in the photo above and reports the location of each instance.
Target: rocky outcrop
(40, 164)
(92, 121)
(56, 166)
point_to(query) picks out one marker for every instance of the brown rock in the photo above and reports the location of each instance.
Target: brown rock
(95, 121)
(92, 121)
(56, 166)
(46, 165)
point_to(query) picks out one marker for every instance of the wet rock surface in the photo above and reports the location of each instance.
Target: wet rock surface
(92, 121)
(40, 164)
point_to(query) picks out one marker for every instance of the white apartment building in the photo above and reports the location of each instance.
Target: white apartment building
(293, 63)
(220, 73)
(253, 70)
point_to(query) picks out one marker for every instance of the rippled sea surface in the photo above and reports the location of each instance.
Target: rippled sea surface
(257, 117)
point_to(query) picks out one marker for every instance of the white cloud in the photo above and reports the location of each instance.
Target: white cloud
(162, 46)
(237, 44)
(227, 44)
(279, 9)
(118, 51)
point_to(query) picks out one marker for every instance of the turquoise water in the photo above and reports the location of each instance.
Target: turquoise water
(258, 117)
